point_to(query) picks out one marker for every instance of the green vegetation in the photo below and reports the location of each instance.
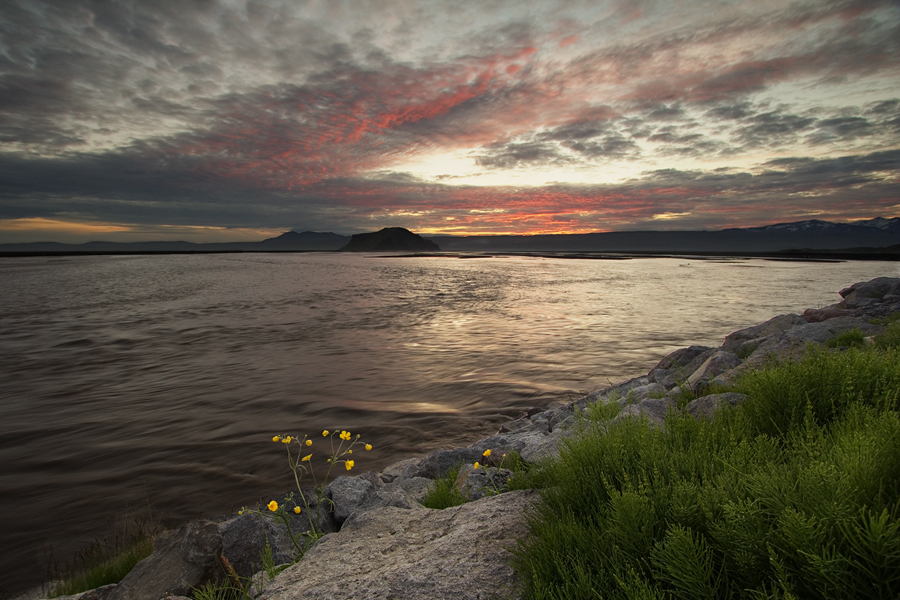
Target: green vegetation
(443, 493)
(105, 562)
(849, 339)
(794, 494)
(890, 338)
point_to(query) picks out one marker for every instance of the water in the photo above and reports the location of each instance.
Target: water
(136, 384)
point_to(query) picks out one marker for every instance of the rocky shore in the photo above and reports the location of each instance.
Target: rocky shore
(382, 543)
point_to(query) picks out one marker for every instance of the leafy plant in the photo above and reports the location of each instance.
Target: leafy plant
(300, 467)
(793, 494)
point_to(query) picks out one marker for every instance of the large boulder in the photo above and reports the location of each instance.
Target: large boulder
(706, 406)
(400, 469)
(405, 493)
(866, 293)
(454, 554)
(440, 462)
(181, 560)
(736, 342)
(347, 494)
(244, 541)
(653, 409)
(817, 315)
(712, 367)
(676, 375)
(680, 358)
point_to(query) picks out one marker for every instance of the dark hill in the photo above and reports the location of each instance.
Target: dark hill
(307, 240)
(390, 239)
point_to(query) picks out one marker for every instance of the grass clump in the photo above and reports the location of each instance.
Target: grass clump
(443, 493)
(105, 562)
(851, 338)
(890, 337)
(794, 494)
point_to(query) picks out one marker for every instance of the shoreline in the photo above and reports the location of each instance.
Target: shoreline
(839, 255)
(398, 489)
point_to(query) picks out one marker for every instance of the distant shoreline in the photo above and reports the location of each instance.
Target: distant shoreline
(799, 255)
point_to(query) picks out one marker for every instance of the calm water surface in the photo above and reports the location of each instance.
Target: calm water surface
(131, 384)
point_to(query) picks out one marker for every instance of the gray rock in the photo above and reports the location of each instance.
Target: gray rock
(846, 323)
(440, 462)
(612, 392)
(677, 376)
(536, 447)
(542, 421)
(565, 424)
(453, 554)
(244, 539)
(519, 425)
(532, 446)
(680, 358)
(817, 315)
(789, 345)
(706, 406)
(416, 487)
(300, 522)
(405, 493)
(181, 560)
(402, 468)
(372, 477)
(347, 494)
(642, 392)
(867, 293)
(653, 409)
(775, 325)
(715, 365)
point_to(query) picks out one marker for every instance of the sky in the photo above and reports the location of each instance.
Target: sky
(214, 120)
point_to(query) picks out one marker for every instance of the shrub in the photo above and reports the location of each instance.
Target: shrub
(850, 338)
(793, 494)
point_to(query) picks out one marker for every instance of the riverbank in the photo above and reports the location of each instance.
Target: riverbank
(394, 546)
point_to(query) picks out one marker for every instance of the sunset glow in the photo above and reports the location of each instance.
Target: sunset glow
(137, 121)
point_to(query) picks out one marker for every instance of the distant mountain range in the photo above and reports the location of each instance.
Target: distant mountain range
(876, 236)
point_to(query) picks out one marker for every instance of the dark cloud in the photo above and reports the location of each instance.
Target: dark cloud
(610, 146)
(257, 111)
(773, 128)
(524, 154)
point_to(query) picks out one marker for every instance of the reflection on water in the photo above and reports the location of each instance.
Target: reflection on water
(158, 381)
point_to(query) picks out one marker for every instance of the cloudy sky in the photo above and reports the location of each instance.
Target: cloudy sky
(214, 120)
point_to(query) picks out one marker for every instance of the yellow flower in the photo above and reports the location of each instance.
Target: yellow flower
(487, 453)
(368, 446)
(240, 512)
(287, 440)
(345, 435)
(273, 506)
(277, 438)
(477, 465)
(349, 451)
(349, 464)
(296, 510)
(306, 458)
(309, 442)
(325, 433)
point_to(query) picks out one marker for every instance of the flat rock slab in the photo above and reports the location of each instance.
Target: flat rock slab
(458, 553)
